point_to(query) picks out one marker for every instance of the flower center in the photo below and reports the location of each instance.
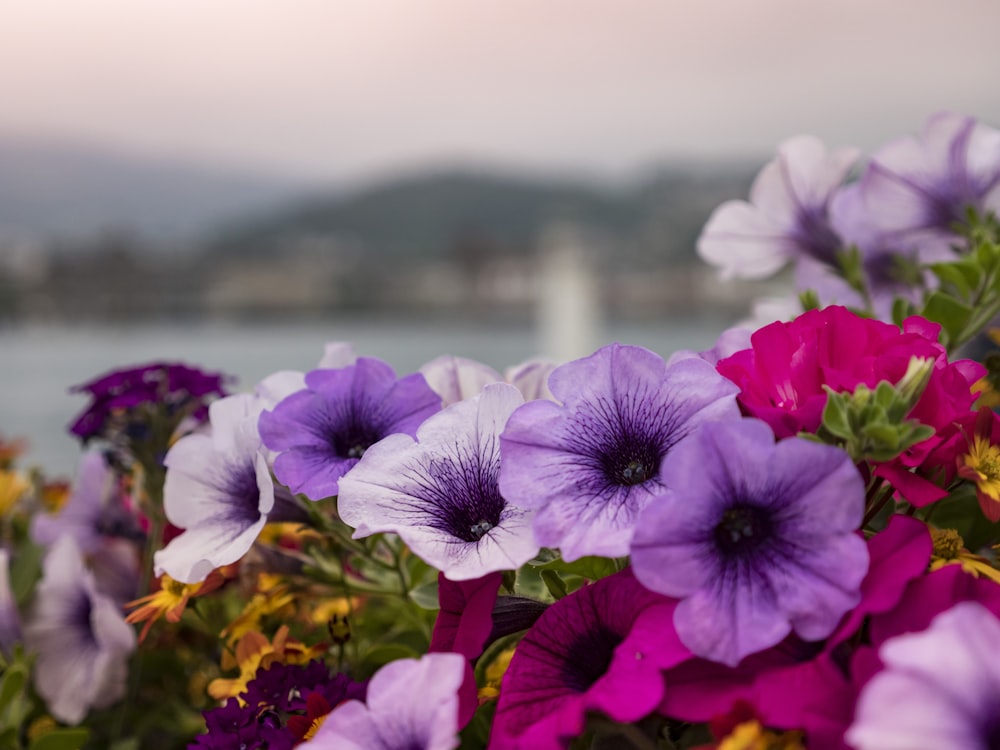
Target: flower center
(631, 462)
(742, 529)
(591, 656)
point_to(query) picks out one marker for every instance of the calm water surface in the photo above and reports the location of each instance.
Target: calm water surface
(38, 364)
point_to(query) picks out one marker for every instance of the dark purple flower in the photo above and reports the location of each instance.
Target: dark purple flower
(322, 431)
(600, 649)
(591, 463)
(180, 389)
(756, 538)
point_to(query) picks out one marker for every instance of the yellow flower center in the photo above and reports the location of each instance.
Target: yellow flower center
(983, 463)
(947, 543)
(750, 735)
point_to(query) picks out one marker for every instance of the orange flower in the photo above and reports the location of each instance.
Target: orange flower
(170, 600)
(254, 651)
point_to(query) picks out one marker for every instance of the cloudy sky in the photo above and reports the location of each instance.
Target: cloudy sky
(335, 91)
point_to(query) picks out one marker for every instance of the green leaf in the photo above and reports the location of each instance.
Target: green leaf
(384, 653)
(426, 595)
(555, 584)
(61, 739)
(949, 312)
(25, 570)
(962, 276)
(12, 685)
(901, 310)
(809, 300)
(835, 417)
(591, 568)
(130, 743)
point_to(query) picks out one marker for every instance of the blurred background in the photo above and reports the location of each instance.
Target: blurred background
(233, 183)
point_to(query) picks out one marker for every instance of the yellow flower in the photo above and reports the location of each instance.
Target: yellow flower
(271, 597)
(949, 549)
(981, 466)
(494, 675)
(170, 600)
(13, 485)
(750, 735)
(254, 651)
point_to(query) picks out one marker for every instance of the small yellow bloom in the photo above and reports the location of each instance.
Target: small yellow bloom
(170, 600)
(254, 651)
(949, 549)
(272, 597)
(13, 486)
(750, 735)
(494, 675)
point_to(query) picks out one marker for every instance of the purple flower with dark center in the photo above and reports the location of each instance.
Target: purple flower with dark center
(600, 649)
(940, 688)
(787, 217)
(440, 492)
(321, 432)
(81, 640)
(219, 489)
(177, 387)
(757, 539)
(411, 705)
(915, 190)
(591, 463)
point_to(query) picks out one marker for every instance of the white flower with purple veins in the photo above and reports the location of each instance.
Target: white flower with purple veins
(756, 539)
(458, 378)
(81, 640)
(411, 705)
(787, 217)
(440, 492)
(915, 189)
(219, 490)
(590, 463)
(939, 688)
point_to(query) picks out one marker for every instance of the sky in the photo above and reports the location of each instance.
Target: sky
(349, 90)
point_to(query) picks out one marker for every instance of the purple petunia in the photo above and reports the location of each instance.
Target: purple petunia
(591, 463)
(322, 431)
(440, 492)
(600, 649)
(411, 704)
(940, 688)
(458, 378)
(787, 217)
(80, 637)
(757, 539)
(915, 189)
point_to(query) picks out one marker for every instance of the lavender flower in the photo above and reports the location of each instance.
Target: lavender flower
(787, 217)
(458, 378)
(82, 641)
(440, 491)
(940, 688)
(592, 463)
(915, 189)
(757, 539)
(411, 704)
(219, 489)
(322, 431)
(10, 620)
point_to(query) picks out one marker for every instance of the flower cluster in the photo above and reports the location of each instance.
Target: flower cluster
(787, 541)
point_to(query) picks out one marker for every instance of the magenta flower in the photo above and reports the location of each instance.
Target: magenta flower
(940, 688)
(747, 535)
(440, 493)
(781, 379)
(322, 431)
(591, 463)
(411, 704)
(787, 217)
(601, 649)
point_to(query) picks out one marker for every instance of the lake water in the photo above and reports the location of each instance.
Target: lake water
(39, 364)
